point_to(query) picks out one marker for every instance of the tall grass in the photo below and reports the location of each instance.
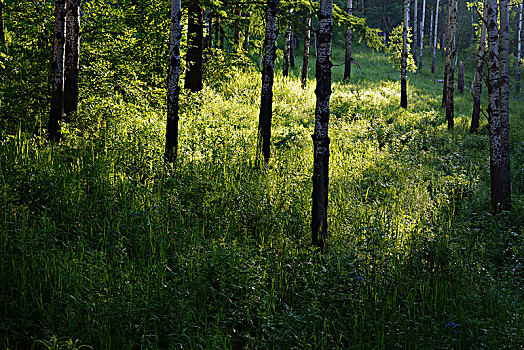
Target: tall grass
(103, 245)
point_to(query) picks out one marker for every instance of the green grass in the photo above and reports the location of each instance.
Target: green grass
(103, 245)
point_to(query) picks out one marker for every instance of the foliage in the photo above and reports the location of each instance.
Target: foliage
(395, 47)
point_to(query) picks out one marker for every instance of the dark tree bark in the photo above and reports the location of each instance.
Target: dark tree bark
(195, 38)
(236, 36)
(449, 71)
(245, 45)
(218, 44)
(305, 60)
(347, 60)
(319, 229)
(268, 70)
(435, 35)
(173, 89)
(57, 73)
(72, 58)
(292, 50)
(519, 48)
(404, 63)
(208, 42)
(442, 31)
(504, 101)
(461, 77)
(287, 46)
(478, 75)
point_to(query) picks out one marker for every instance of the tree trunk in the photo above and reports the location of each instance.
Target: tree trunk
(449, 73)
(435, 35)
(415, 33)
(442, 31)
(519, 47)
(291, 49)
(2, 26)
(495, 135)
(217, 33)
(173, 89)
(72, 58)
(320, 135)
(478, 75)
(347, 61)
(195, 36)
(461, 77)
(422, 34)
(266, 100)
(245, 45)
(236, 37)
(504, 101)
(57, 73)
(287, 48)
(208, 41)
(305, 60)
(431, 26)
(404, 64)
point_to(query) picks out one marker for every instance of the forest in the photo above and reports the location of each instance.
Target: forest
(278, 174)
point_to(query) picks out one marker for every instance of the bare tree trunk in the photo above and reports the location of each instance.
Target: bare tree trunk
(495, 135)
(519, 47)
(449, 74)
(291, 49)
(415, 33)
(72, 58)
(478, 75)
(431, 26)
(266, 103)
(461, 77)
(319, 229)
(173, 89)
(2, 26)
(57, 73)
(422, 34)
(404, 63)
(245, 45)
(217, 33)
(442, 31)
(435, 37)
(504, 101)
(208, 41)
(287, 45)
(347, 61)
(195, 38)
(305, 60)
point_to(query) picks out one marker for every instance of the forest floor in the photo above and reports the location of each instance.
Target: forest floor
(103, 245)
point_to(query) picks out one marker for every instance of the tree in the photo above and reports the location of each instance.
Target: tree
(519, 48)
(347, 61)
(449, 70)
(415, 32)
(173, 75)
(422, 35)
(195, 45)
(404, 62)
(57, 73)
(2, 27)
(266, 99)
(435, 31)
(320, 135)
(499, 201)
(307, 40)
(504, 101)
(478, 75)
(287, 49)
(72, 57)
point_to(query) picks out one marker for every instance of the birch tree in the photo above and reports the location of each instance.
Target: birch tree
(504, 101)
(266, 99)
(415, 33)
(173, 88)
(404, 61)
(57, 73)
(478, 75)
(72, 57)
(287, 49)
(305, 60)
(421, 53)
(435, 31)
(320, 135)
(347, 61)
(2, 26)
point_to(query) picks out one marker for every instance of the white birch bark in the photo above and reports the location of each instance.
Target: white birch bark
(478, 75)
(519, 47)
(404, 63)
(422, 34)
(435, 35)
(504, 101)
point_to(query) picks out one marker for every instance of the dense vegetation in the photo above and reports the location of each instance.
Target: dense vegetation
(102, 244)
